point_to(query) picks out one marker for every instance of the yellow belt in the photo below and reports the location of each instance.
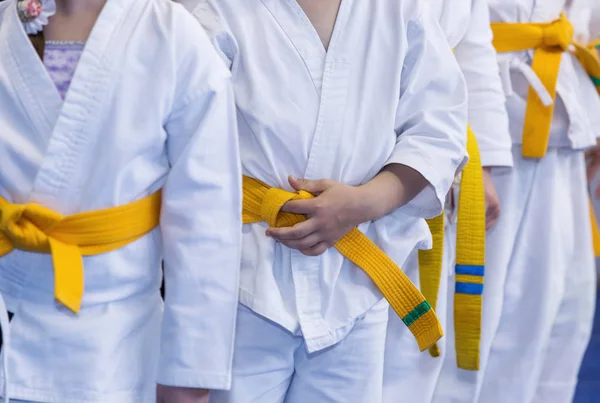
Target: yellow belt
(470, 261)
(549, 41)
(34, 228)
(263, 203)
(595, 231)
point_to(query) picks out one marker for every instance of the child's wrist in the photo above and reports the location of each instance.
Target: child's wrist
(371, 203)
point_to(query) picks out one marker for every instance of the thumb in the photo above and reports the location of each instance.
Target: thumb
(310, 186)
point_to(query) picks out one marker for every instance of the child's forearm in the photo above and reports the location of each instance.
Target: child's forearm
(392, 188)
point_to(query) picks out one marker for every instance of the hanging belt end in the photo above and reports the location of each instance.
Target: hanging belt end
(468, 362)
(434, 351)
(427, 330)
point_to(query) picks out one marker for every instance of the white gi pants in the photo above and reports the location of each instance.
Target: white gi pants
(544, 315)
(539, 289)
(409, 375)
(271, 365)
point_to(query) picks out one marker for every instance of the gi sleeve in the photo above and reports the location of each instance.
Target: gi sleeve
(201, 221)
(476, 57)
(590, 100)
(431, 118)
(580, 15)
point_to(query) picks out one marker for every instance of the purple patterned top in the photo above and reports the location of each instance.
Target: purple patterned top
(60, 59)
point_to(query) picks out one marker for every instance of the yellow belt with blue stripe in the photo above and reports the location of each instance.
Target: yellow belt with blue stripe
(550, 41)
(264, 203)
(470, 261)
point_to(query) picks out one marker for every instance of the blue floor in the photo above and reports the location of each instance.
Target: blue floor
(588, 389)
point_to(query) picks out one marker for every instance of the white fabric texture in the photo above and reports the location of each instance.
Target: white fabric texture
(538, 322)
(271, 365)
(544, 249)
(103, 147)
(394, 95)
(585, 16)
(466, 26)
(595, 21)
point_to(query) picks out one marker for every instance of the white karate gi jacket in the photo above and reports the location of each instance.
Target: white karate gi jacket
(468, 32)
(150, 106)
(576, 120)
(388, 90)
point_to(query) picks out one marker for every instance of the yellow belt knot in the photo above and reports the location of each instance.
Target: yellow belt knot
(549, 41)
(34, 228)
(545, 39)
(263, 203)
(274, 199)
(26, 227)
(558, 34)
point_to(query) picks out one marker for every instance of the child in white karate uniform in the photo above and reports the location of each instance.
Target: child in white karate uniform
(118, 143)
(362, 105)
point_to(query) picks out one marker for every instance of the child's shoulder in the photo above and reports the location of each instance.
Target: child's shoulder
(4, 5)
(179, 28)
(173, 14)
(207, 13)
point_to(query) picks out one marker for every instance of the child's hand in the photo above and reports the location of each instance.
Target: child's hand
(172, 394)
(492, 201)
(335, 211)
(592, 166)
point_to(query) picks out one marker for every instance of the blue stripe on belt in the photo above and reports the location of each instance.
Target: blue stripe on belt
(468, 288)
(469, 270)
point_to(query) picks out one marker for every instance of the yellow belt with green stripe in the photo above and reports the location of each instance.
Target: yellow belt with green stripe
(470, 262)
(263, 203)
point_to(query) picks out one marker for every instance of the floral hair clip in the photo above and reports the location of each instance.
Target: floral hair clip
(34, 14)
